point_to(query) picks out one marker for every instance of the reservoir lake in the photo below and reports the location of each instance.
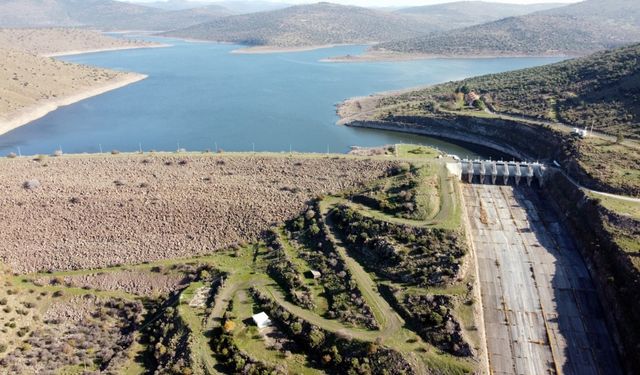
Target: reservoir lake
(200, 96)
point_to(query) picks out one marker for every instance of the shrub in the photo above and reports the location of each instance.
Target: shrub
(31, 184)
(229, 326)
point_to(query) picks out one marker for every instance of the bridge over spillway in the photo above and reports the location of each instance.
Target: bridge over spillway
(500, 172)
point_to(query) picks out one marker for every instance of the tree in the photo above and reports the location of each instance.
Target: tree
(619, 137)
(229, 326)
(479, 104)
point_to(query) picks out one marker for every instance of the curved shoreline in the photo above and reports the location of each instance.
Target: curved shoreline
(39, 110)
(122, 48)
(400, 56)
(263, 50)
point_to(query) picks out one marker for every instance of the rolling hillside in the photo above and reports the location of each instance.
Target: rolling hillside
(576, 29)
(600, 91)
(52, 41)
(449, 16)
(103, 14)
(33, 85)
(306, 25)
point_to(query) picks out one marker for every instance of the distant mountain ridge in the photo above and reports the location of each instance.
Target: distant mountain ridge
(103, 14)
(327, 23)
(449, 16)
(306, 25)
(575, 29)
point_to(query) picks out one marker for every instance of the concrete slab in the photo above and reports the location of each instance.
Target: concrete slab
(542, 315)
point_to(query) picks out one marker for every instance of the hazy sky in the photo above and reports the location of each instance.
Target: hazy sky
(383, 3)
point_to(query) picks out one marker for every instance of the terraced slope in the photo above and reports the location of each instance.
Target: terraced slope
(370, 323)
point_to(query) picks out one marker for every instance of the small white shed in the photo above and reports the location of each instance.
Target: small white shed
(262, 320)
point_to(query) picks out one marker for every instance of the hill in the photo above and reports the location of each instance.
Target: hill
(52, 41)
(233, 6)
(576, 29)
(600, 91)
(31, 85)
(449, 16)
(306, 25)
(103, 14)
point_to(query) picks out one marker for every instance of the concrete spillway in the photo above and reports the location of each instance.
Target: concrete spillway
(491, 171)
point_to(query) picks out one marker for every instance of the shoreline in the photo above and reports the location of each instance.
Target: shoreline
(39, 110)
(395, 57)
(123, 48)
(263, 50)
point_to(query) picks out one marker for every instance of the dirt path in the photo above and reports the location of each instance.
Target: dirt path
(542, 314)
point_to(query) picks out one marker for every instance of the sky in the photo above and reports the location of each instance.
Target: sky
(396, 3)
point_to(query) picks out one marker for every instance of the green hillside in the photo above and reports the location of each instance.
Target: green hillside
(576, 29)
(449, 16)
(307, 25)
(600, 92)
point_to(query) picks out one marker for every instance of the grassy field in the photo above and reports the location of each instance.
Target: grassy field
(619, 206)
(245, 268)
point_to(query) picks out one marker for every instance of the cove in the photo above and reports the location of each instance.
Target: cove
(200, 96)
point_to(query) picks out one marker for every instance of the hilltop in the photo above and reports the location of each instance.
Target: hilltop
(449, 16)
(234, 6)
(102, 14)
(54, 41)
(598, 91)
(306, 25)
(576, 29)
(24, 99)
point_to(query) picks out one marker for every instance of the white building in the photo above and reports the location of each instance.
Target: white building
(262, 320)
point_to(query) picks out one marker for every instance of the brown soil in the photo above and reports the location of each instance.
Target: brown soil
(98, 211)
(48, 41)
(134, 282)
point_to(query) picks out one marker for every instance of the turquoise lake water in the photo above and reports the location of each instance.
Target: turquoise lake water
(199, 96)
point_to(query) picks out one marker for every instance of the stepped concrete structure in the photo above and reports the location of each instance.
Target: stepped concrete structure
(495, 172)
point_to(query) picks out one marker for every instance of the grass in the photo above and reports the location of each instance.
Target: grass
(244, 271)
(407, 151)
(619, 206)
(11, 320)
(302, 267)
(448, 215)
(201, 354)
